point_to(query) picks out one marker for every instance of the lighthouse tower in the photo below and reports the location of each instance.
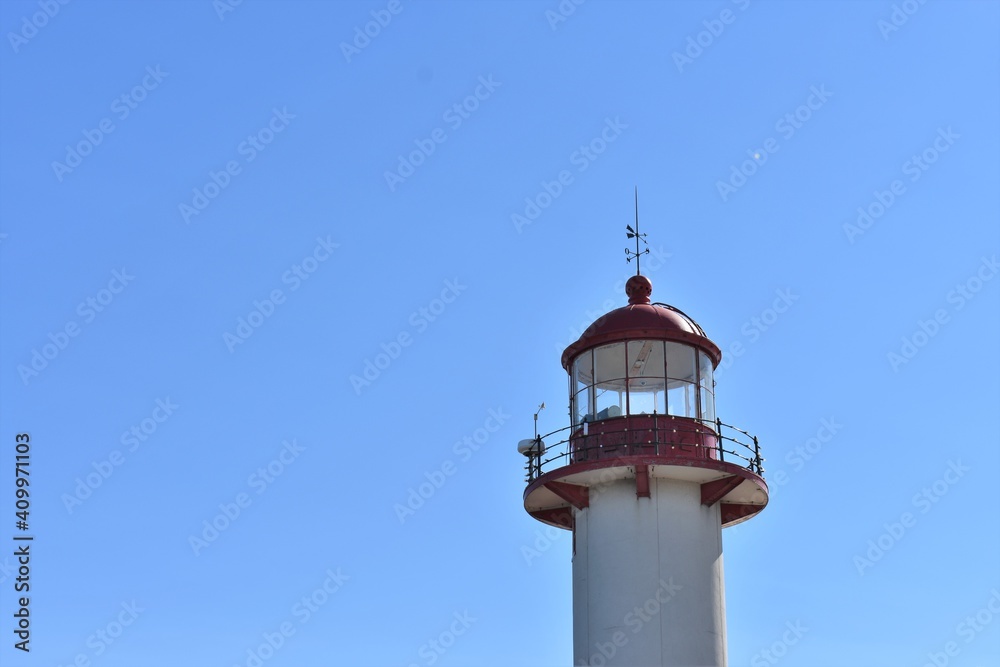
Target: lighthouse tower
(645, 476)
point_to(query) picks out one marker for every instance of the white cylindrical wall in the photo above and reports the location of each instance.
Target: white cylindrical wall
(648, 579)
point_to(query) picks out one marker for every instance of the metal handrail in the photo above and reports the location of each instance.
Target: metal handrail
(682, 314)
(747, 453)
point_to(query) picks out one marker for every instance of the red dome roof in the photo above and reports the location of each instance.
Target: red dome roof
(642, 319)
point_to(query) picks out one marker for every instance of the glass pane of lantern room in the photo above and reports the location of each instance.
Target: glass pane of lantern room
(610, 400)
(609, 365)
(582, 407)
(680, 362)
(682, 398)
(707, 406)
(581, 381)
(646, 377)
(583, 370)
(646, 396)
(609, 380)
(705, 370)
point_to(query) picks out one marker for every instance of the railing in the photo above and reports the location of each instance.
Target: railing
(636, 435)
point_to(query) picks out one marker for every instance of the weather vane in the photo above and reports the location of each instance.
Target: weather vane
(634, 234)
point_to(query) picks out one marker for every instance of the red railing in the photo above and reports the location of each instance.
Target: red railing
(637, 435)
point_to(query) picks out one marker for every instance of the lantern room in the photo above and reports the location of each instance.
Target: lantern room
(642, 359)
(641, 377)
(642, 404)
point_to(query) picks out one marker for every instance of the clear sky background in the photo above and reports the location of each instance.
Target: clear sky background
(128, 267)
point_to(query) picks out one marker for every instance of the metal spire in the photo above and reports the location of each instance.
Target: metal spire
(634, 234)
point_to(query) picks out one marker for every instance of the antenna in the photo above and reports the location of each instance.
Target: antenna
(634, 234)
(540, 408)
(533, 447)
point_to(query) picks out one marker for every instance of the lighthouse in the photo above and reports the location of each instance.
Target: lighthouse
(645, 476)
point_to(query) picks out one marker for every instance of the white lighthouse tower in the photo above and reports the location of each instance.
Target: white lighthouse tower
(646, 476)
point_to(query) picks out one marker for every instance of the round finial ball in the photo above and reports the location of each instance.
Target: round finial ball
(638, 289)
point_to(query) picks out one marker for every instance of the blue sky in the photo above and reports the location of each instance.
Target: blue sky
(215, 215)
